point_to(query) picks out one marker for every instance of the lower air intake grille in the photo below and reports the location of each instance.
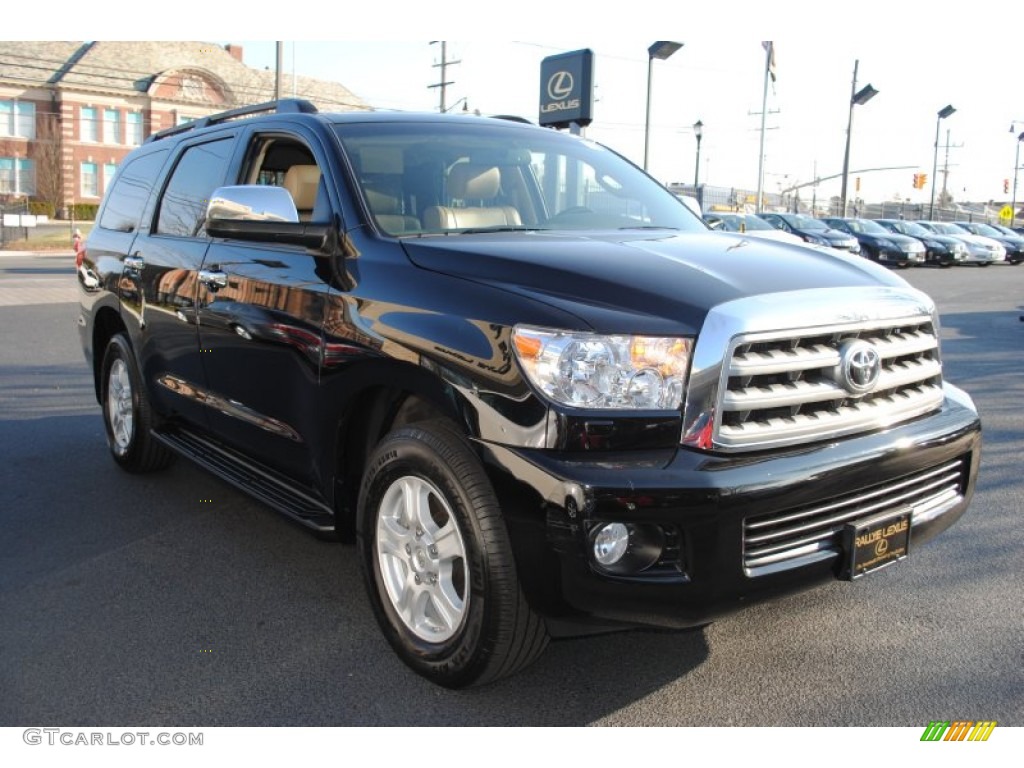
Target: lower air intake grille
(796, 537)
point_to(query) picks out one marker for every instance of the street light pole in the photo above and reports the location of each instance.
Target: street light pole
(698, 131)
(661, 49)
(945, 112)
(863, 96)
(1016, 165)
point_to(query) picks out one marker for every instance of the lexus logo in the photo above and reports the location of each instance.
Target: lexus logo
(560, 85)
(860, 366)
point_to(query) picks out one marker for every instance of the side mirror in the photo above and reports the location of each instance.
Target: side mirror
(262, 214)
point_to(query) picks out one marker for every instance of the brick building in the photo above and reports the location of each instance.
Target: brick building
(71, 111)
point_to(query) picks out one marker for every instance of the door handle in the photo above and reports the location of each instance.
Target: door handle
(213, 280)
(135, 263)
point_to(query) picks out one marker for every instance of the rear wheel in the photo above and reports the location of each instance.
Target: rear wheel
(438, 562)
(126, 412)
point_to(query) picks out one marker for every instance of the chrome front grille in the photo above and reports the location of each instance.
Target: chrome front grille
(782, 389)
(795, 537)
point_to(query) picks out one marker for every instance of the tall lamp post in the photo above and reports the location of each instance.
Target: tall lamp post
(662, 49)
(863, 96)
(1016, 165)
(698, 131)
(945, 112)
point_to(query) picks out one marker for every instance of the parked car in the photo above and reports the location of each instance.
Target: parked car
(1013, 244)
(812, 230)
(536, 392)
(879, 244)
(980, 250)
(944, 250)
(748, 224)
(1010, 233)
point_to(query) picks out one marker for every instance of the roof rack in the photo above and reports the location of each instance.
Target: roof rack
(281, 106)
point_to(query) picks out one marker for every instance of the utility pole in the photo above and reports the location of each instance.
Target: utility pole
(279, 74)
(444, 64)
(945, 166)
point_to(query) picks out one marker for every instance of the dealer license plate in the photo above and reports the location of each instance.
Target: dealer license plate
(876, 542)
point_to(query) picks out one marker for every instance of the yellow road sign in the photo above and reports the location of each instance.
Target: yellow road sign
(1005, 213)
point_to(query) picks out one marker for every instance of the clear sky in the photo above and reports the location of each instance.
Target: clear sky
(920, 56)
(917, 69)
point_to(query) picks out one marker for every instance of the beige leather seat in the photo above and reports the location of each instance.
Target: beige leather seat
(472, 183)
(387, 211)
(303, 182)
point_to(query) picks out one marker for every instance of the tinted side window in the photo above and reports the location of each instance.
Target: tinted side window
(131, 190)
(200, 171)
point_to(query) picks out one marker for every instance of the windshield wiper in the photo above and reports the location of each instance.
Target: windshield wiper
(487, 230)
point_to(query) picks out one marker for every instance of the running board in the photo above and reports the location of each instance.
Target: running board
(254, 480)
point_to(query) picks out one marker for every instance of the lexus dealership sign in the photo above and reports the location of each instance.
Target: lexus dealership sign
(567, 89)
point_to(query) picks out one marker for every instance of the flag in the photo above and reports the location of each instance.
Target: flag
(769, 46)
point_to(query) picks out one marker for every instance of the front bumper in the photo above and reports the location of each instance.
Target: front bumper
(553, 503)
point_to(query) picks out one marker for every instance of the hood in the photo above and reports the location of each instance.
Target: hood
(640, 282)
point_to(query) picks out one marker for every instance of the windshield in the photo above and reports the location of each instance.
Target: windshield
(867, 226)
(906, 228)
(738, 222)
(945, 228)
(799, 221)
(983, 229)
(478, 175)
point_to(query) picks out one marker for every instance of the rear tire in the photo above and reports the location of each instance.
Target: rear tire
(127, 416)
(438, 562)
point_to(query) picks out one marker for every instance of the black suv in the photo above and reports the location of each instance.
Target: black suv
(531, 385)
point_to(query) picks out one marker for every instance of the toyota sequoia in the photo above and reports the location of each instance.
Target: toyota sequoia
(540, 396)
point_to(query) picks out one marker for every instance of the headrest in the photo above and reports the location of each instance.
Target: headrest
(380, 203)
(474, 182)
(302, 182)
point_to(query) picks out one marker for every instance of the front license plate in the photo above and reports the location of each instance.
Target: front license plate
(876, 542)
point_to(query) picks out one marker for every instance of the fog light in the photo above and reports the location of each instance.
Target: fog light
(611, 543)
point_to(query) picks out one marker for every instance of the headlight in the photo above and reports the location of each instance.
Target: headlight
(585, 370)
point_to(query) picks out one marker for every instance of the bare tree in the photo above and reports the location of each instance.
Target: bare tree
(46, 155)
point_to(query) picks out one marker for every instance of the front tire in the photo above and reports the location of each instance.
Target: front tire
(127, 416)
(438, 563)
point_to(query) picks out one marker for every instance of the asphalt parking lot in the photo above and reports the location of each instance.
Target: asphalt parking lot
(174, 599)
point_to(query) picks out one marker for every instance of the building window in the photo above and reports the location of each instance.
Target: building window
(88, 129)
(133, 125)
(109, 169)
(17, 176)
(18, 118)
(111, 126)
(90, 180)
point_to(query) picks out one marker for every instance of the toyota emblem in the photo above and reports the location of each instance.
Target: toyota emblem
(860, 366)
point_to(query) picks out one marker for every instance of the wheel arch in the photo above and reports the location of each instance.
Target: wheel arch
(386, 397)
(106, 324)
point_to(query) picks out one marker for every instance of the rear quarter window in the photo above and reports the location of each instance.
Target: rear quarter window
(133, 185)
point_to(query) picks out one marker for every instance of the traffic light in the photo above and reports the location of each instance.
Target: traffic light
(1006, 186)
(923, 180)
(917, 181)
(856, 184)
